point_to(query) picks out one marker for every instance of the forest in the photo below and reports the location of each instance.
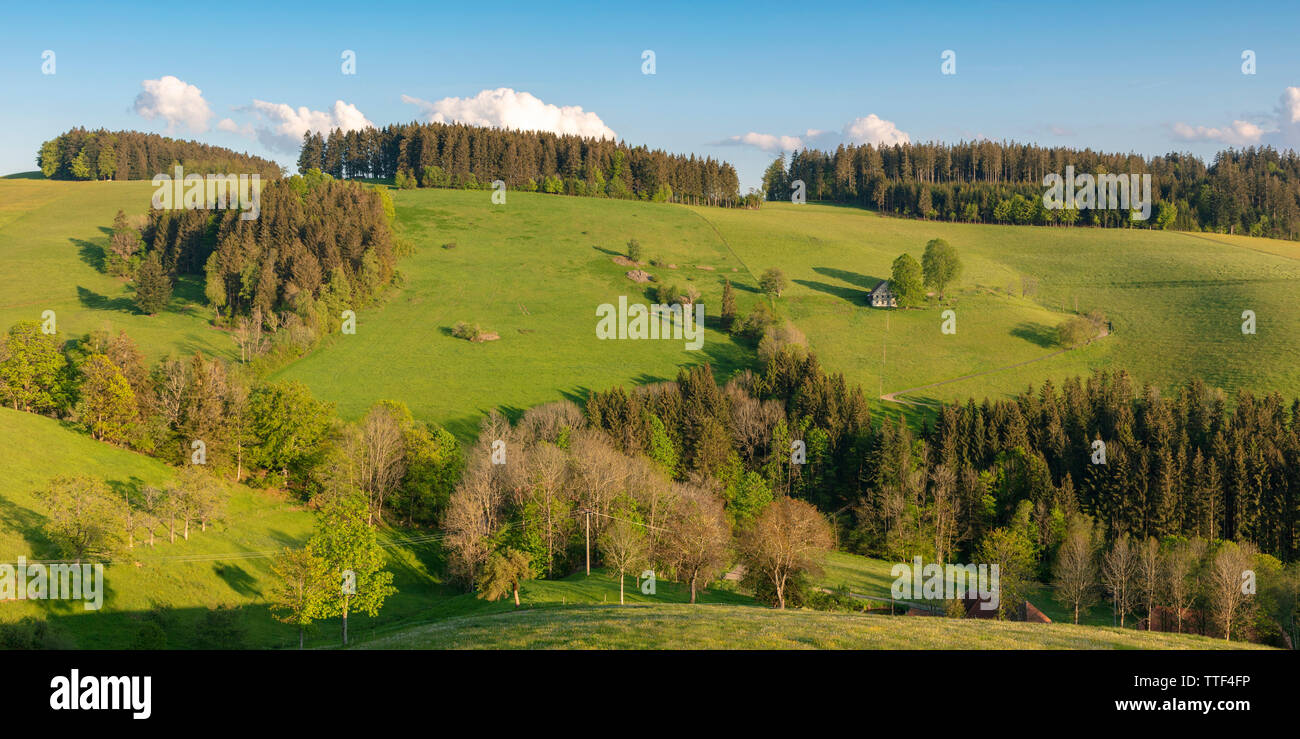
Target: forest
(1253, 191)
(462, 156)
(79, 154)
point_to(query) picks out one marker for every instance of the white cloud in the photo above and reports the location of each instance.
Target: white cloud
(874, 130)
(1279, 129)
(174, 101)
(869, 130)
(280, 127)
(506, 108)
(1289, 105)
(1240, 133)
(226, 124)
(767, 141)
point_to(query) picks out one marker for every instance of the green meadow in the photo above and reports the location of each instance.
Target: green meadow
(532, 271)
(52, 241)
(229, 565)
(739, 627)
(1175, 299)
(535, 270)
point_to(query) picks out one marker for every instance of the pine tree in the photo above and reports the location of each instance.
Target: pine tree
(728, 314)
(153, 286)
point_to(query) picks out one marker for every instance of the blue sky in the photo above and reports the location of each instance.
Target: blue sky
(1166, 77)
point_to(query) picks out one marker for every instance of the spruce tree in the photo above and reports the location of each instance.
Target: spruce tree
(153, 286)
(728, 315)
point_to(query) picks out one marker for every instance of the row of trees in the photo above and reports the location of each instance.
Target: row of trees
(89, 518)
(538, 492)
(1140, 463)
(202, 411)
(79, 154)
(1177, 584)
(1254, 191)
(463, 156)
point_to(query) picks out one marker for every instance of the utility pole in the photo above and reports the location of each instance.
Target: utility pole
(588, 513)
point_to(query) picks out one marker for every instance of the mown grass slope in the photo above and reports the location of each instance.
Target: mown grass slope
(739, 627)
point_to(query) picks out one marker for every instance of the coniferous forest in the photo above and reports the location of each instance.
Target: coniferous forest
(1254, 191)
(462, 156)
(79, 154)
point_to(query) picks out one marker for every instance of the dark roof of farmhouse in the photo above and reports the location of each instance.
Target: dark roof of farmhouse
(883, 286)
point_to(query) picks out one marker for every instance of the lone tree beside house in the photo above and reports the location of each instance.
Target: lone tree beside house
(905, 281)
(940, 265)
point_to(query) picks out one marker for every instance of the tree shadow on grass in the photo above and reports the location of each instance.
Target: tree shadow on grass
(238, 579)
(866, 282)
(90, 253)
(1036, 333)
(95, 301)
(853, 295)
(31, 526)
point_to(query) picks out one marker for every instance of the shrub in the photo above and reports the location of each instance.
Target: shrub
(776, 338)
(756, 323)
(634, 250)
(1075, 331)
(467, 331)
(667, 294)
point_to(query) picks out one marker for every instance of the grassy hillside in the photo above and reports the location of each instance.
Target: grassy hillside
(740, 627)
(52, 240)
(533, 271)
(229, 565)
(1175, 299)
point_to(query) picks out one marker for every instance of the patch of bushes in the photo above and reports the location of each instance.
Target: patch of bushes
(468, 331)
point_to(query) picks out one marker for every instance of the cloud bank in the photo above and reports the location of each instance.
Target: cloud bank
(871, 129)
(1280, 128)
(280, 127)
(507, 108)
